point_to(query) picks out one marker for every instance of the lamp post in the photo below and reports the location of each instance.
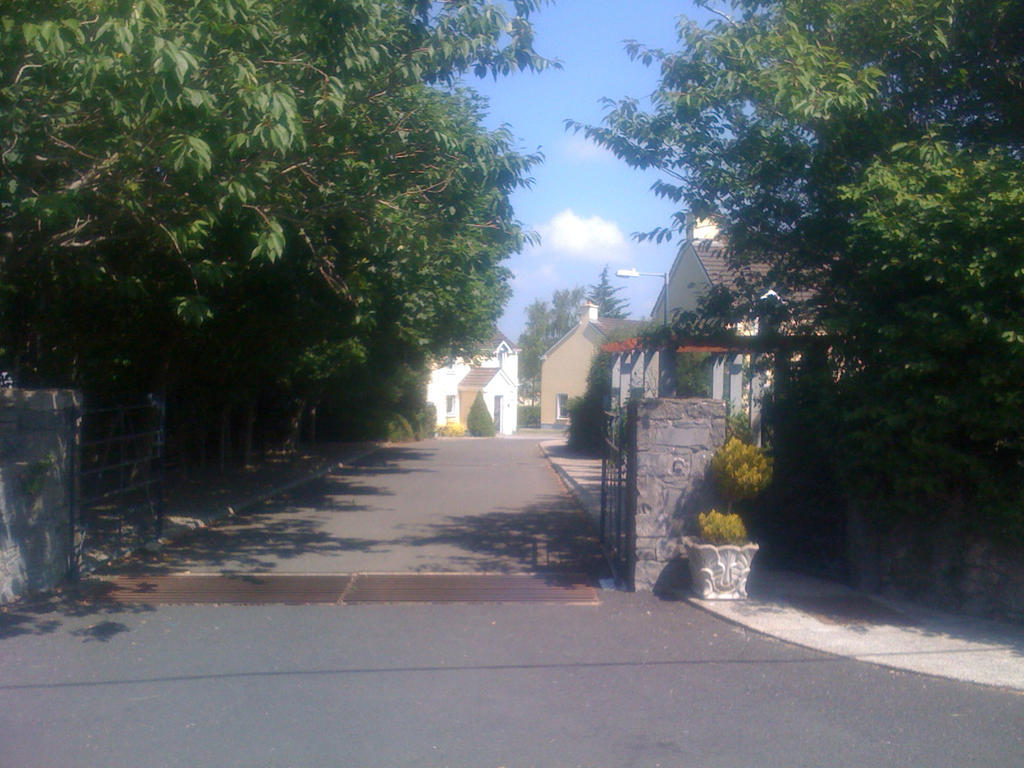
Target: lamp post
(632, 272)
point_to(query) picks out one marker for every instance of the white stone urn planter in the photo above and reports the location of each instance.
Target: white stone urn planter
(720, 571)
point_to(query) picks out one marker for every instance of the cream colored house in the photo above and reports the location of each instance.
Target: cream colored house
(701, 264)
(564, 367)
(494, 372)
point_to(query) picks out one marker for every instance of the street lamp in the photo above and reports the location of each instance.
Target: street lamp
(632, 272)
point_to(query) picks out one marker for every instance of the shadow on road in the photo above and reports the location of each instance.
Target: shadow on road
(547, 537)
(45, 615)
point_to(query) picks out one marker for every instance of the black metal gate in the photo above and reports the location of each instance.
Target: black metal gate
(618, 493)
(121, 474)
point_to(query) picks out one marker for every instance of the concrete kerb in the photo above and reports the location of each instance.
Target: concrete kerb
(587, 500)
(931, 643)
(958, 648)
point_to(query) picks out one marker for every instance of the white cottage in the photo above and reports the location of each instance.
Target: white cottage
(494, 372)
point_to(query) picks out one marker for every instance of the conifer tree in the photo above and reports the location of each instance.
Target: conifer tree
(479, 422)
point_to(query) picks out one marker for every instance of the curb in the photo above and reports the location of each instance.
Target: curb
(568, 480)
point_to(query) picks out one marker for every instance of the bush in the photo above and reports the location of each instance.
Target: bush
(398, 429)
(586, 414)
(737, 425)
(741, 471)
(529, 415)
(451, 429)
(719, 529)
(426, 423)
(479, 422)
(693, 374)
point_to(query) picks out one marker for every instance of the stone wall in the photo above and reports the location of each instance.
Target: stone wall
(675, 442)
(945, 563)
(38, 433)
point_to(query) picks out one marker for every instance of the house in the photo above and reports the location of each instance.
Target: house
(564, 367)
(494, 371)
(700, 265)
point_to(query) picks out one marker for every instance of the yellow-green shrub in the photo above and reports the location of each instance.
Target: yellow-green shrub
(741, 471)
(718, 529)
(451, 429)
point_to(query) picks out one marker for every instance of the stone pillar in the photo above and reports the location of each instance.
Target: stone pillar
(38, 457)
(676, 439)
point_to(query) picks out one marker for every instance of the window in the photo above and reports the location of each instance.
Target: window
(449, 405)
(561, 406)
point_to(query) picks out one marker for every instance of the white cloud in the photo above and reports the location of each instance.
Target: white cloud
(588, 239)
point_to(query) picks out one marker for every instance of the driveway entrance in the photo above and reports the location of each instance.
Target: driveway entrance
(439, 506)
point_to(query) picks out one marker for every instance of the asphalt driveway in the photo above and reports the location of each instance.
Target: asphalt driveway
(452, 505)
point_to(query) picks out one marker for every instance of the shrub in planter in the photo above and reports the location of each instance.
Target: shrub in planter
(720, 560)
(479, 422)
(718, 529)
(741, 471)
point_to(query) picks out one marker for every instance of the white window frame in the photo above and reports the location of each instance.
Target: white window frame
(561, 406)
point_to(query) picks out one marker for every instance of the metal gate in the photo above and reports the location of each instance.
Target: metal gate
(618, 493)
(121, 474)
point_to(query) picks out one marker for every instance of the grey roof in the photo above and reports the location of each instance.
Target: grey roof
(713, 255)
(609, 325)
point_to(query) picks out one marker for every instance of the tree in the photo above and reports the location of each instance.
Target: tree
(252, 202)
(609, 303)
(586, 413)
(546, 323)
(479, 422)
(871, 153)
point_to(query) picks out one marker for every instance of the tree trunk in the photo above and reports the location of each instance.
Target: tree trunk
(312, 423)
(295, 426)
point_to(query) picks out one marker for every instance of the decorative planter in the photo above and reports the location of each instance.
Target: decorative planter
(720, 572)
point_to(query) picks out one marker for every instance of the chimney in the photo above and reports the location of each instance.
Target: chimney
(588, 313)
(691, 223)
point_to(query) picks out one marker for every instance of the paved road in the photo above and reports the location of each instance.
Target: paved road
(633, 681)
(438, 505)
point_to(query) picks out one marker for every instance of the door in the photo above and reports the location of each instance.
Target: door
(497, 414)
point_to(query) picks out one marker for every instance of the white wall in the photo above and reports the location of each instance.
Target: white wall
(444, 382)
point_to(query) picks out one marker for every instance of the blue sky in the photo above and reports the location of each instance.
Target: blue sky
(585, 203)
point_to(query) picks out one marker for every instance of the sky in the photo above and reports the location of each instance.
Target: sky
(585, 203)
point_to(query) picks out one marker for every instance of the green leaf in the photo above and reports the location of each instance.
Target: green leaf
(270, 243)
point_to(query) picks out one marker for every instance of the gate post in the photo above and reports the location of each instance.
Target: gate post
(38, 439)
(675, 440)
(630, 448)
